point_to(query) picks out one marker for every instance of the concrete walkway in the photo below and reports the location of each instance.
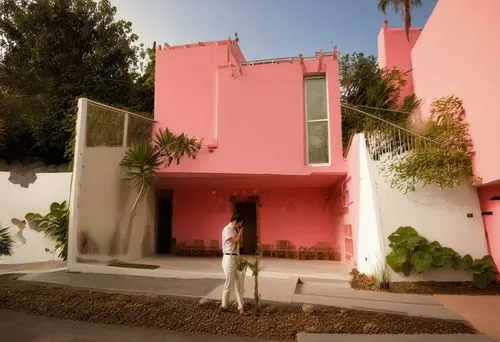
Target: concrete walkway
(279, 290)
(129, 284)
(33, 267)
(21, 327)
(481, 311)
(403, 304)
(391, 338)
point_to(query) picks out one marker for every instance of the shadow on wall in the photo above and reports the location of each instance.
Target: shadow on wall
(25, 174)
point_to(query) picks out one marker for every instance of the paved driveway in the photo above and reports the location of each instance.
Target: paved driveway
(21, 327)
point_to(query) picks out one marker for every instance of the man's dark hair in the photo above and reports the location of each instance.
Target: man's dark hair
(237, 218)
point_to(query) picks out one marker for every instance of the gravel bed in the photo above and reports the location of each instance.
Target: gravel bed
(361, 281)
(187, 315)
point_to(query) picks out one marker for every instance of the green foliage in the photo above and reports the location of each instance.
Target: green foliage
(54, 52)
(6, 242)
(54, 224)
(401, 6)
(242, 265)
(375, 90)
(445, 163)
(143, 159)
(381, 275)
(412, 252)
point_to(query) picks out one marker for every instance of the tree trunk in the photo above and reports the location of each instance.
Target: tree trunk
(256, 294)
(133, 211)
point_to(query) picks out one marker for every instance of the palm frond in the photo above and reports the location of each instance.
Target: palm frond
(173, 147)
(141, 162)
(404, 7)
(382, 6)
(6, 242)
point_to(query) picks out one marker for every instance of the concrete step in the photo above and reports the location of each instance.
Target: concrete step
(336, 283)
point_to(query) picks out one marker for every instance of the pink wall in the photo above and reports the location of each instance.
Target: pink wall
(353, 187)
(491, 222)
(303, 216)
(394, 51)
(457, 53)
(256, 119)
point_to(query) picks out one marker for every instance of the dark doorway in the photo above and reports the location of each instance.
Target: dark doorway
(248, 209)
(164, 223)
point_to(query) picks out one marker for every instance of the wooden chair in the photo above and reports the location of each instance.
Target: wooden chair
(281, 248)
(303, 253)
(180, 249)
(188, 249)
(199, 248)
(291, 251)
(312, 253)
(214, 248)
(324, 250)
(267, 250)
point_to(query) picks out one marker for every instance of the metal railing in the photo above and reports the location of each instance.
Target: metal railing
(386, 140)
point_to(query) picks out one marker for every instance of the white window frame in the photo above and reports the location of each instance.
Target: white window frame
(306, 126)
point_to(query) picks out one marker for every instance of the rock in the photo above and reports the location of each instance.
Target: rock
(203, 301)
(270, 309)
(370, 328)
(311, 329)
(308, 309)
(338, 328)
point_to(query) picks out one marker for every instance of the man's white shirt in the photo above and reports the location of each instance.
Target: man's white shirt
(227, 246)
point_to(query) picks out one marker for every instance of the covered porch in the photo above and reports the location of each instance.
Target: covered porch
(287, 216)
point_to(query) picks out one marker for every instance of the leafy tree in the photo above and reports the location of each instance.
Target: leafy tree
(401, 6)
(55, 51)
(146, 83)
(376, 91)
(447, 163)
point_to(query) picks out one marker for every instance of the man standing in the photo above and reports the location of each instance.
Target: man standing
(231, 235)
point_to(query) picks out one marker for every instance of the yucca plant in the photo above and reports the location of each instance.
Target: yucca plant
(6, 242)
(145, 158)
(54, 224)
(242, 265)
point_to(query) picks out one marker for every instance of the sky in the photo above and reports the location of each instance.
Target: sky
(266, 28)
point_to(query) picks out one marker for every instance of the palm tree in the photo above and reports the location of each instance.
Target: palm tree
(242, 265)
(145, 158)
(401, 6)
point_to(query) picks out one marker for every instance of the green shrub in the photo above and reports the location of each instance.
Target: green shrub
(54, 224)
(412, 252)
(6, 242)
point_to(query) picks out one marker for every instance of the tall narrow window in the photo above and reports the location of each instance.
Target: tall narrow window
(318, 142)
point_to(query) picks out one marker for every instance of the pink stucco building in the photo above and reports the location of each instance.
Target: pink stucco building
(457, 53)
(272, 146)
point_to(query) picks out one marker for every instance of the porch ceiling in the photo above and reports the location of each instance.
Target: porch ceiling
(183, 180)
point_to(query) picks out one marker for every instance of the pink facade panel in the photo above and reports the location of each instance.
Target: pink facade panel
(491, 216)
(352, 197)
(252, 117)
(303, 216)
(394, 51)
(457, 53)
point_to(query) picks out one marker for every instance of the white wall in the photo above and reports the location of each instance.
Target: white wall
(369, 232)
(437, 214)
(105, 201)
(17, 201)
